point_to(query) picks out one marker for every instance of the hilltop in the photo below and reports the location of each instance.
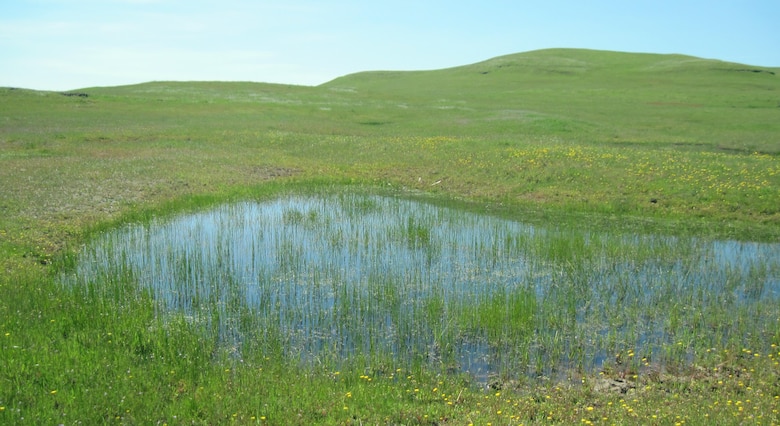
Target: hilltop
(556, 66)
(576, 62)
(609, 96)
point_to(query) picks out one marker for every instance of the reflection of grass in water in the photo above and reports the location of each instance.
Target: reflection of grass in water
(355, 280)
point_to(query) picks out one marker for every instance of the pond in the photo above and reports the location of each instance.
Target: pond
(339, 279)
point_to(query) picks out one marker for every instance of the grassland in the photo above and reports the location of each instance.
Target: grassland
(645, 143)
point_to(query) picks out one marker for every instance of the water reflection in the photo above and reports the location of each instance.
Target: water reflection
(339, 277)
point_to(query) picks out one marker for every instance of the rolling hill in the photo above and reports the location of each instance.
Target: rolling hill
(584, 95)
(599, 95)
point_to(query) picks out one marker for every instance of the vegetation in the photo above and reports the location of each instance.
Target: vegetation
(564, 139)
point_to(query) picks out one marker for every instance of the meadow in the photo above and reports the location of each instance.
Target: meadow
(582, 144)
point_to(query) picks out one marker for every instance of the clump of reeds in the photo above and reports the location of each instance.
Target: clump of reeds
(350, 279)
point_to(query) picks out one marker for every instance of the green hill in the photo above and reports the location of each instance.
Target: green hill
(599, 96)
(584, 95)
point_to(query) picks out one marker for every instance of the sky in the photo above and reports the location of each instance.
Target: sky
(72, 44)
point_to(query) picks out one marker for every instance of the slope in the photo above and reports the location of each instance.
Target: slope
(597, 96)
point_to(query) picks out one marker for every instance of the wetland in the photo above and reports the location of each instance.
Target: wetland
(350, 279)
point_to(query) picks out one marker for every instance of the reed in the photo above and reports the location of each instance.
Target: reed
(352, 280)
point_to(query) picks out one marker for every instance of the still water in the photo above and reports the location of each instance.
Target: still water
(340, 277)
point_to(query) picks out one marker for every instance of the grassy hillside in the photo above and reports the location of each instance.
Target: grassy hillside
(568, 138)
(597, 97)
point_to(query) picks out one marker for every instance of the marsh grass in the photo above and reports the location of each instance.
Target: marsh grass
(342, 280)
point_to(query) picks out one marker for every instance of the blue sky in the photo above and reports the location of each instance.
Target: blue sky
(71, 44)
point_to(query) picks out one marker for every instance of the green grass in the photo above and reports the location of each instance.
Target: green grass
(344, 277)
(642, 143)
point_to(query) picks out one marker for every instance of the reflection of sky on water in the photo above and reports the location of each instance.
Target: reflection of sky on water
(308, 264)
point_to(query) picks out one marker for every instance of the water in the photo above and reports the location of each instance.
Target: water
(338, 278)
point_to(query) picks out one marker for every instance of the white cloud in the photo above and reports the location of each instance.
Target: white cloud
(100, 66)
(81, 47)
(80, 43)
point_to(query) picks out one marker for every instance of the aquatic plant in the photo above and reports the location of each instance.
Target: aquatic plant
(346, 279)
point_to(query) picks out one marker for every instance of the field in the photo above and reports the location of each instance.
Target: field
(573, 141)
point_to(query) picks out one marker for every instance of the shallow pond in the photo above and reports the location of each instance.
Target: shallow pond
(345, 278)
